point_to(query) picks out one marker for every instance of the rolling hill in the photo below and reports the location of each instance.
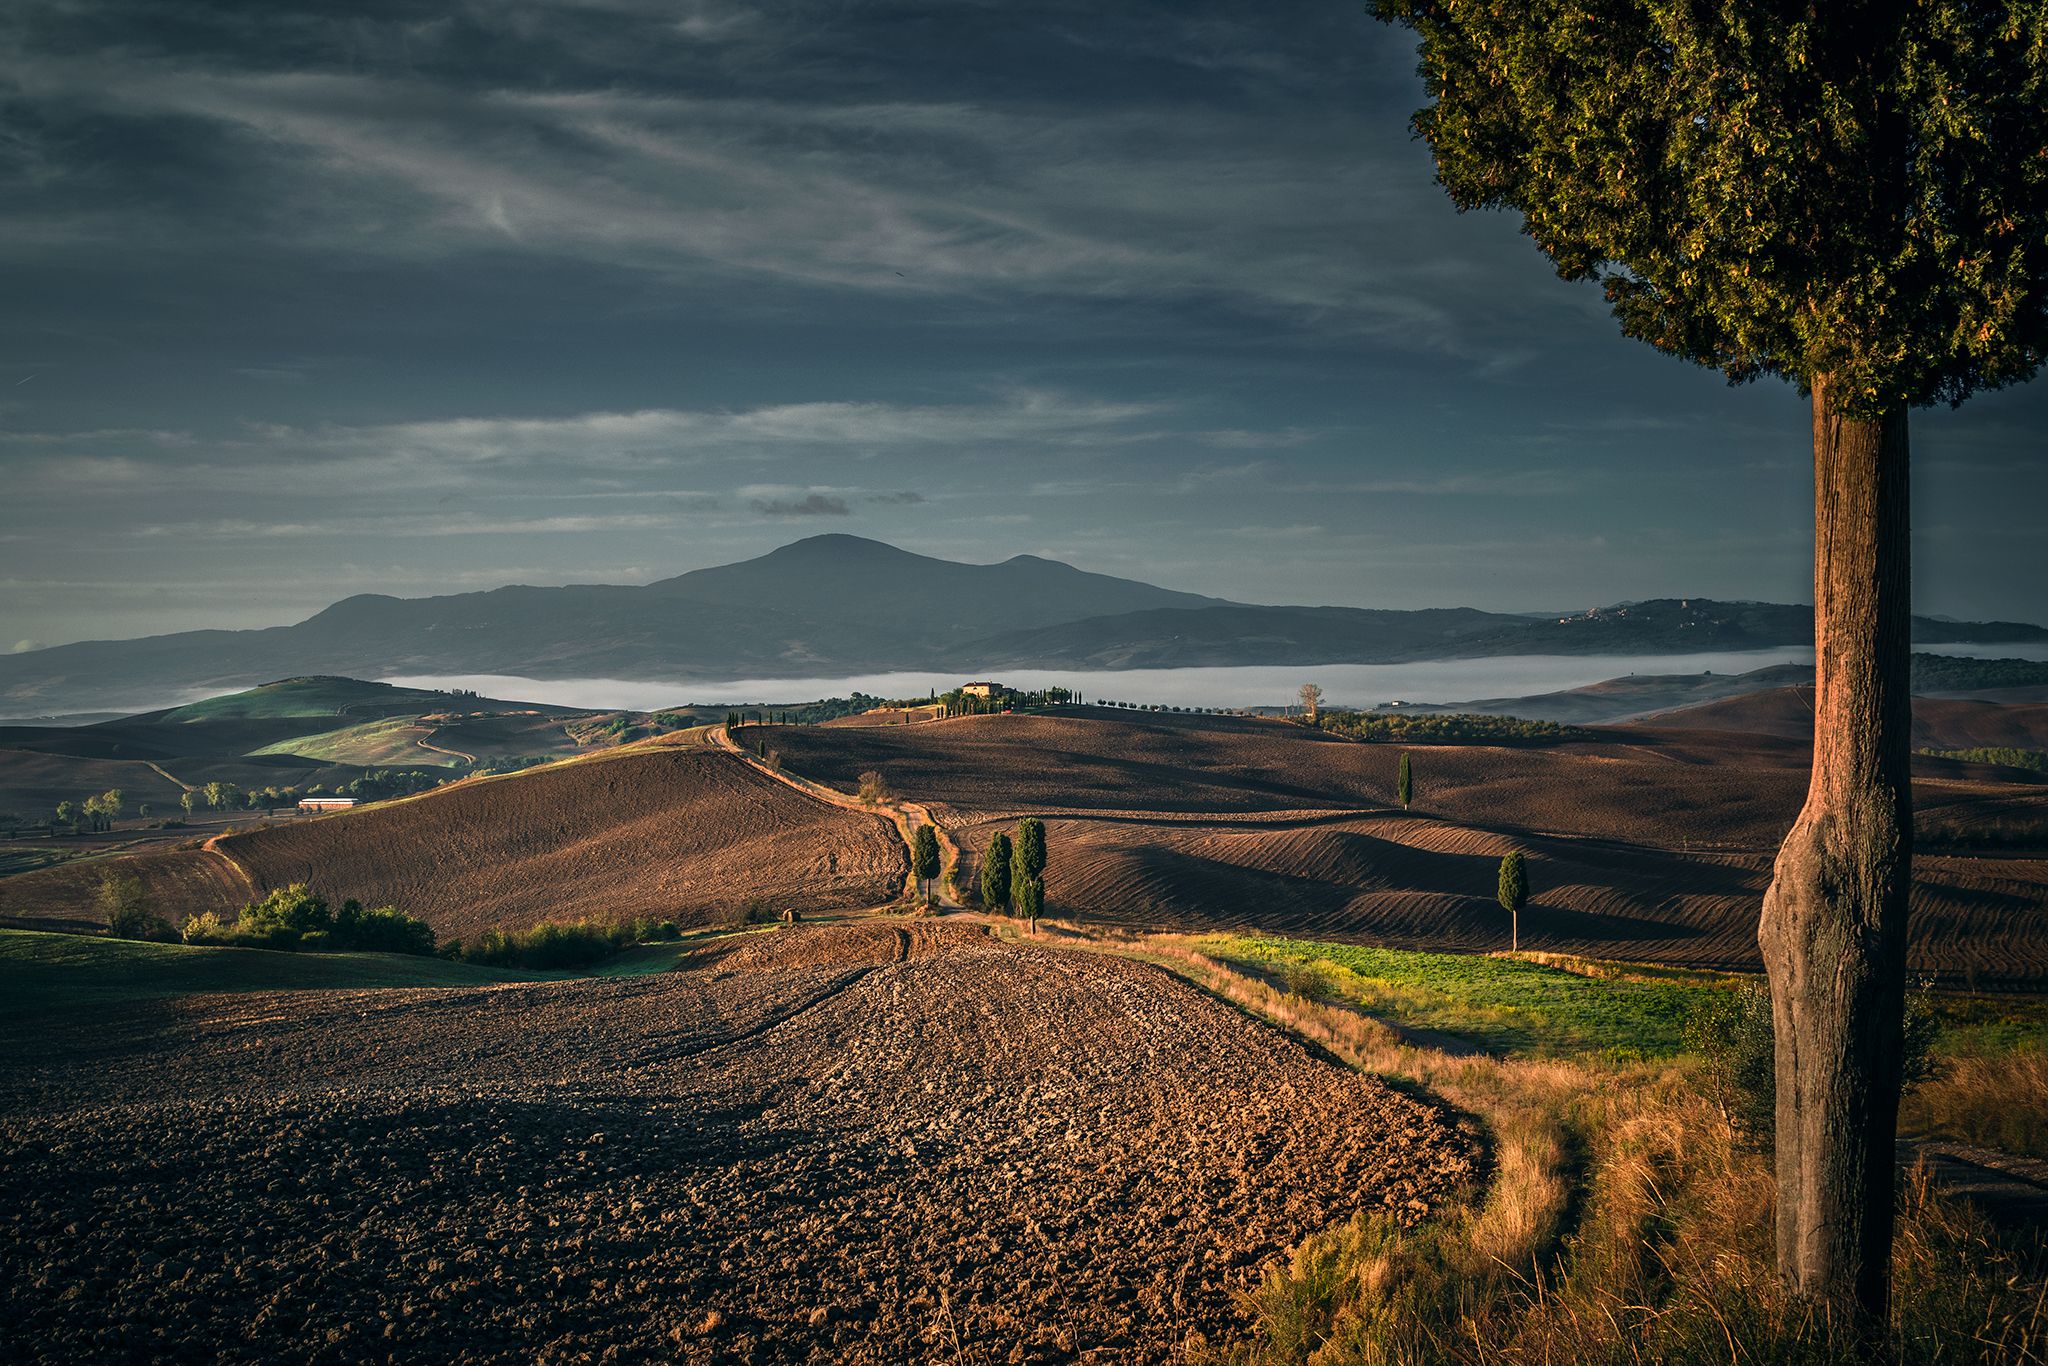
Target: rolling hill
(667, 832)
(1649, 845)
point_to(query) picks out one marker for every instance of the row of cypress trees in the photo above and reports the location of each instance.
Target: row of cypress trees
(1013, 871)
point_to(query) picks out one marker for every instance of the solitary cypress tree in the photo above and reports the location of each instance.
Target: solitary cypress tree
(1404, 783)
(924, 859)
(995, 873)
(1850, 196)
(1028, 862)
(1514, 892)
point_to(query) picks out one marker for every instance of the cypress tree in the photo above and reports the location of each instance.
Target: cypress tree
(1027, 869)
(1404, 783)
(995, 873)
(1514, 891)
(1849, 197)
(924, 858)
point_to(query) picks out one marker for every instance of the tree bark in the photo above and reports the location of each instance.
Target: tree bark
(1833, 932)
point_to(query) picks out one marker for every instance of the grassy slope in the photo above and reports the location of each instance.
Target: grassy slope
(392, 742)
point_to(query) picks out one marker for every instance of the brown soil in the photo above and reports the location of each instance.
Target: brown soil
(734, 1162)
(177, 883)
(1938, 723)
(32, 783)
(1643, 844)
(665, 832)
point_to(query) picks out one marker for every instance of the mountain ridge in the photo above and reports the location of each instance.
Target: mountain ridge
(838, 604)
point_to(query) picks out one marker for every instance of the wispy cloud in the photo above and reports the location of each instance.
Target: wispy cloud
(810, 505)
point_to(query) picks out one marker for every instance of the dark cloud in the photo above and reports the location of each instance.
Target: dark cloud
(814, 505)
(1164, 288)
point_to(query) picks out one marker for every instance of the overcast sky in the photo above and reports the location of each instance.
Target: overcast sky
(306, 300)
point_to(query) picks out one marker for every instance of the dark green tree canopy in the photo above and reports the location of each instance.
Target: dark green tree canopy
(1857, 191)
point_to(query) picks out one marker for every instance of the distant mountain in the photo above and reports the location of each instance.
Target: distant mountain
(836, 605)
(825, 605)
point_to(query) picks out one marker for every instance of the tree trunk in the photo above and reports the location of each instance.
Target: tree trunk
(1833, 932)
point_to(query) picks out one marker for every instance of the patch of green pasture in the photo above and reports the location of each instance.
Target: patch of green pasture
(393, 742)
(1506, 1005)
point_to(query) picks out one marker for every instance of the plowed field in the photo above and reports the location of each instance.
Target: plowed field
(666, 832)
(1643, 844)
(852, 1143)
(177, 882)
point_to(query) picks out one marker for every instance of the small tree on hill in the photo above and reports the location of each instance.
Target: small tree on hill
(1514, 893)
(1404, 783)
(125, 907)
(924, 859)
(1027, 869)
(995, 873)
(1311, 702)
(187, 799)
(874, 788)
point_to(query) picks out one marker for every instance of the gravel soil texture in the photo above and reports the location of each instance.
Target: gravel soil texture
(870, 1142)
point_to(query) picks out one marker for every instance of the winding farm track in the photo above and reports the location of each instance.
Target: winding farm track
(865, 1142)
(906, 816)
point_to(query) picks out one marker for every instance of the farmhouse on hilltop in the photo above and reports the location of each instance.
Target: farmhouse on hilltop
(985, 690)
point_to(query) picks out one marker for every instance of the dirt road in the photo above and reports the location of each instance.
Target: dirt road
(906, 816)
(874, 1142)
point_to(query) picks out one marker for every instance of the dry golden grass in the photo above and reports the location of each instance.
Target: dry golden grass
(1995, 1102)
(1622, 1222)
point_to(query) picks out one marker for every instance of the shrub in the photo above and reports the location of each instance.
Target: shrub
(874, 787)
(123, 904)
(551, 944)
(380, 929)
(1307, 982)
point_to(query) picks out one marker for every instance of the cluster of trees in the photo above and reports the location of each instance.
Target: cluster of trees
(958, 703)
(94, 813)
(1013, 872)
(296, 918)
(1430, 728)
(554, 944)
(1997, 754)
(1166, 707)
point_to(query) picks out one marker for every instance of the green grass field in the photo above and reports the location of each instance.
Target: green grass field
(1522, 1008)
(392, 742)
